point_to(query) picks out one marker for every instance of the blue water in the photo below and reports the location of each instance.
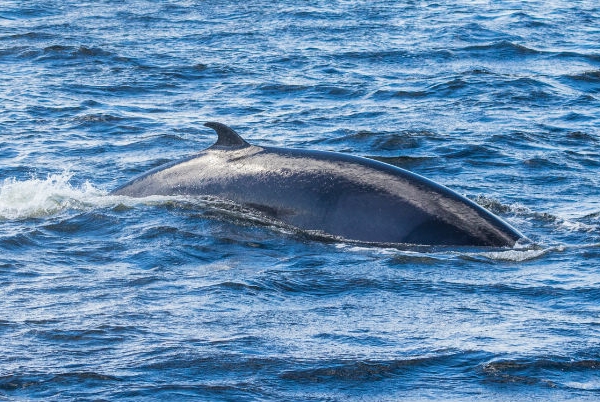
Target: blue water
(111, 298)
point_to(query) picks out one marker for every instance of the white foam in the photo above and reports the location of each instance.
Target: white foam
(513, 255)
(38, 198)
(578, 226)
(592, 385)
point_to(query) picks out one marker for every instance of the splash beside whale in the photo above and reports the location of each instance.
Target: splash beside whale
(349, 197)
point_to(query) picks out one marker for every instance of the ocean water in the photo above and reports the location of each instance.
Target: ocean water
(174, 298)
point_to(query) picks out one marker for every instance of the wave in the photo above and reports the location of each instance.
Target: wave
(565, 223)
(35, 198)
(325, 90)
(502, 49)
(30, 36)
(587, 76)
(40, 198)
(60, 51)
(12, 382)
(509, 255)
(353, 371)
(99, 118)
(552, 372)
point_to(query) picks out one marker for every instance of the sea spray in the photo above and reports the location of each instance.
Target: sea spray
(36, 197)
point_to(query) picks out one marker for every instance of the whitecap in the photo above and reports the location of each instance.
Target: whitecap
(34, 198)
(513, 255)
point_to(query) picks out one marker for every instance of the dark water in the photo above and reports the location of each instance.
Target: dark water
(109, 298)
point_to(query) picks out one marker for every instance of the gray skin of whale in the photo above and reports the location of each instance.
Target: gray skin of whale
(341, 195)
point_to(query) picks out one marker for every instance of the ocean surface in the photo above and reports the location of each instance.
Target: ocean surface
(174, 298)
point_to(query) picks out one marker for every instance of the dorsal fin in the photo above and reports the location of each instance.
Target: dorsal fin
(227, 137)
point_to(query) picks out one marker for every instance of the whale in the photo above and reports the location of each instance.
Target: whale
(346, 197)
